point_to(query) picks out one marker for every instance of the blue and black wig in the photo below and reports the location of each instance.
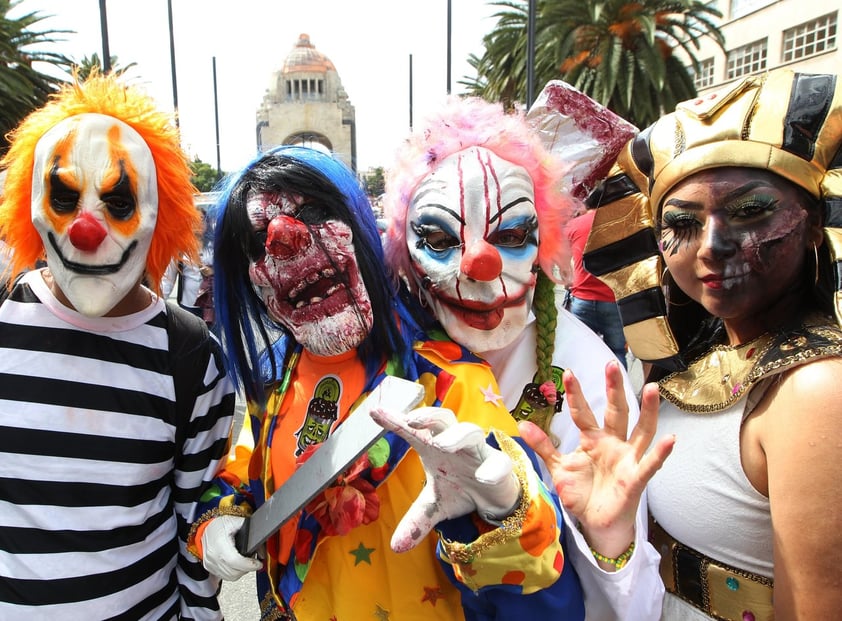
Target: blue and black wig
(250, 338)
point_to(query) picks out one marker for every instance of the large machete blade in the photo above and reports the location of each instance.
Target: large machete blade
(351, 439)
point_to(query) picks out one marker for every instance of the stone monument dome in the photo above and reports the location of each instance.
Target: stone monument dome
(305, 57)
(306, 104)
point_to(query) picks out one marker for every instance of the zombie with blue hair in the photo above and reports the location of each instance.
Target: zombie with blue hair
(312, 322)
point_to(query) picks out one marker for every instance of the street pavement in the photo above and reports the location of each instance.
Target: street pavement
(238, 600)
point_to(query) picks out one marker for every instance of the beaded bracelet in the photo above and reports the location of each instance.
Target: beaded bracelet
(618, 562)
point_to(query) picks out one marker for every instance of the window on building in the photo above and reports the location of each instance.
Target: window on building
(813, 37)
(744, 7)
(747, 59)
(704, 77)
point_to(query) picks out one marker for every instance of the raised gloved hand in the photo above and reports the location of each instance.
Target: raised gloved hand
(219, 552)
(463, 472)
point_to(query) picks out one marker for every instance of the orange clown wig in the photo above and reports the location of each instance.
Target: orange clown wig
(179, 222)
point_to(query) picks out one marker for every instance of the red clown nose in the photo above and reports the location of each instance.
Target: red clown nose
(286, 237)
(86, 233)
(481, 262)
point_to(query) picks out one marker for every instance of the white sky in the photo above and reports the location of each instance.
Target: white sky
(369, 42)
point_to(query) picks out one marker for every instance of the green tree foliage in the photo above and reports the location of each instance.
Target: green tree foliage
(92, 63)
(620, 53)
(374, 181)
(22, 87)
(204, 175)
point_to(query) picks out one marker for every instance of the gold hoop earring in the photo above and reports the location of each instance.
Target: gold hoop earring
(816, 258)
(669, 300)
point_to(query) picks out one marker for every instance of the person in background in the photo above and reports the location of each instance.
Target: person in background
(476, 208)
(186, 278)
(115, 408)
(590, 299)
(446, 517)
(204, 300)
(727, 212)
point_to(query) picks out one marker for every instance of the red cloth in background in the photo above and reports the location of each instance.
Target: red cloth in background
(585, 285)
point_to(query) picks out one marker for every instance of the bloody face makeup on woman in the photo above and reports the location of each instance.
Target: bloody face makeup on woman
(735, 240)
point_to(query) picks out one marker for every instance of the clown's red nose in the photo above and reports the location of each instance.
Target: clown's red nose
(86, 233)
(481, 261)
(286, 237)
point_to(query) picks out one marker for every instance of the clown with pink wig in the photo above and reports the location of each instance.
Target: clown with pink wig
(477, 202)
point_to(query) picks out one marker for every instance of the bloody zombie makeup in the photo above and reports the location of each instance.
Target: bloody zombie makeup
(307, 274)
(734, 239)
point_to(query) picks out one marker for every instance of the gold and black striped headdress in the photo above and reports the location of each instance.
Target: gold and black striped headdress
(785, 122)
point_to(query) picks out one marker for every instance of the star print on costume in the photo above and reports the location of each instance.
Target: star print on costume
(361, 553)
(381, 614)
(490, 396)
(432, 594)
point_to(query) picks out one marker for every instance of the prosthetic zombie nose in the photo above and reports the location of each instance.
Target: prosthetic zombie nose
(481, 261)
(286, 237)
(86, 233)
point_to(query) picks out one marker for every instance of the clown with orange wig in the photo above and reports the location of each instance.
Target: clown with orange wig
(103, 453)
(477, 202)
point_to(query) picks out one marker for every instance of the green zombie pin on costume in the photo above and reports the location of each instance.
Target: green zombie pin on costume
(322, 413)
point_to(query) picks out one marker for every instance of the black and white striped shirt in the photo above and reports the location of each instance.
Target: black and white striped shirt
(98, 477)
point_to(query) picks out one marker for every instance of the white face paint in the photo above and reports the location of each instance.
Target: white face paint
(308, 276)
(472, 233)
(95, 205)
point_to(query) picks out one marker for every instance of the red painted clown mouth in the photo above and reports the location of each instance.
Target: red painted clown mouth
(480, 315)
(479, 320)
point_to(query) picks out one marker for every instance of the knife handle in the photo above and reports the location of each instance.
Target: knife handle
(241, 539)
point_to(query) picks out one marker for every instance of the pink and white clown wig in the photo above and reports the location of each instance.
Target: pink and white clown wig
(462, 123)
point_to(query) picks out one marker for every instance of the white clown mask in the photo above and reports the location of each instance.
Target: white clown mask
(472, 234)
(95, 205)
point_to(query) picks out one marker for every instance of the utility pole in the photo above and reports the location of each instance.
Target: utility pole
(103, 25)
(530, 55)
(216, 121)
(172, 64)
(449, 32)
(410, 92)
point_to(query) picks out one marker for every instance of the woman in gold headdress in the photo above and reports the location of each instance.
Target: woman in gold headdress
(717, 231)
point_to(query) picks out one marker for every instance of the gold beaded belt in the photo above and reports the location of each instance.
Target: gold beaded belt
(718, 590)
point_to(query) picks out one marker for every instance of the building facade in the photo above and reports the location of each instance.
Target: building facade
(765, 34)
(306, 104)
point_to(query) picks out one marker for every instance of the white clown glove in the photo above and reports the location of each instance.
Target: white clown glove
(219, 552)
(463, 472)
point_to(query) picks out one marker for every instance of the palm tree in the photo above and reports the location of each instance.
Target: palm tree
(92, 63)
(22, 87)
(619, 52)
